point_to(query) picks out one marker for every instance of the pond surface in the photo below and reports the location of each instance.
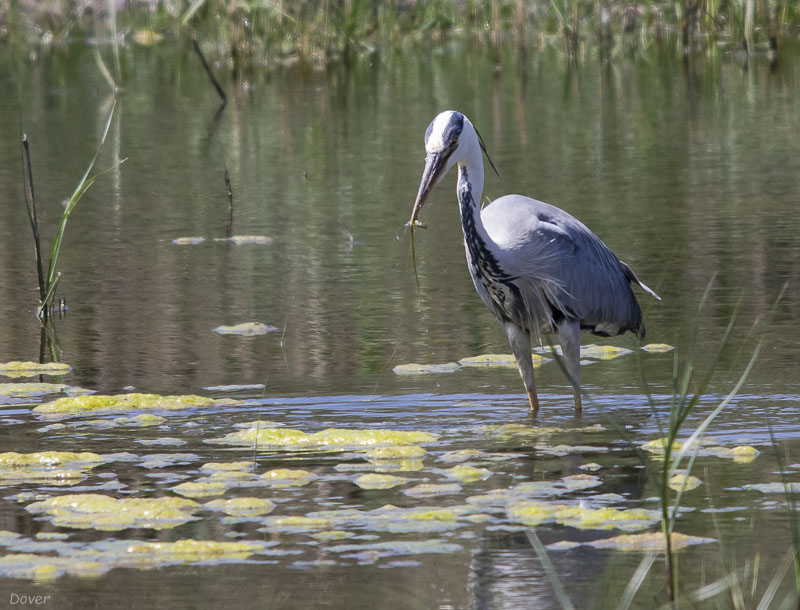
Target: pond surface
(689, 174)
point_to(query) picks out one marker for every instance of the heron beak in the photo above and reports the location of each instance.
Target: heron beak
(435, 164)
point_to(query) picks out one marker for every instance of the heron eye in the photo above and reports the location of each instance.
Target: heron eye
(454, 143)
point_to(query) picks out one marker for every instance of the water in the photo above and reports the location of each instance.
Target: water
(689, 175)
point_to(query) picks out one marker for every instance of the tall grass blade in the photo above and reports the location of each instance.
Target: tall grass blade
(550, 570)
(30, 201)
(635, 583)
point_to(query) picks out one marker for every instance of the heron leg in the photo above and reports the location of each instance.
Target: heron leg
(569, 336)
(520, 341)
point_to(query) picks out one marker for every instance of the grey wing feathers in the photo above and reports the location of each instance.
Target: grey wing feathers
(562, 268)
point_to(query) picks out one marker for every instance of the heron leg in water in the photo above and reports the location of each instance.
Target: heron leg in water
(569, 336)
(520, 341)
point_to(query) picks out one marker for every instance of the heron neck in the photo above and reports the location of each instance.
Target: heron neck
(470, 190)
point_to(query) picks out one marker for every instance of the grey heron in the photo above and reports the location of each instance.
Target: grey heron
(537, 268)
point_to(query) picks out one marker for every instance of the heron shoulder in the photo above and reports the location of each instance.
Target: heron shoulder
(518, 221)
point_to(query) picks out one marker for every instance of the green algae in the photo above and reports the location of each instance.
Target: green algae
(657, 348)
(426, 490)
(424, 369)
(653, 541)
(143, 419)
(389, 518)
(332, 438)
(500, 360)
(467, 474)
(536, 512)
(52, 467)
(379, 481)
(603, 352)
(100, 403)
(164, 441)
(94, 559)
(402, 452)
(226, 466)
(287, 477)
(43, 568)
(332, 535)
(682, 481)
(461, 455)
(742, 454)
(31, 390)
(97, 511)
(200, 489)
(378, 550)
(17, 368)
(241, 507)
(296, 524)
(246, 329)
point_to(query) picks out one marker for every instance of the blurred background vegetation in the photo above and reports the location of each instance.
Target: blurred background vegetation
(250, 34)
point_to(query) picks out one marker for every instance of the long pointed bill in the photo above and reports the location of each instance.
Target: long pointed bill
(435, 164)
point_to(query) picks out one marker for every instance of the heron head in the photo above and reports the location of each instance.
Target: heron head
(445, 142)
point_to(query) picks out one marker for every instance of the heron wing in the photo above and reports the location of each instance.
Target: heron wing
(560, 267)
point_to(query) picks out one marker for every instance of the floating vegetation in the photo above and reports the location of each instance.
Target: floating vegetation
(30, 390)
(591, 466)
(332, 438)
(370, 553)
(682, 481)
(657, 348)
(164, 441)
(379, 481)
(226, 466)
(603, 352)
(653, 541)
(79, 405)
(17, 368)
(286, 477)
(191, 551)
(97, 511)
(503, 360)
(526, 430)
(461, 455)
(188, 241)
(423, 369)
(389, 518)
(742, 454)
(240, 240)
(97, 558)
(296, 524)
(42, 568)
(200, 489)
(52, 467)
(534, 513)
(242, 507)
(246, 329)
(426, 490)
(467, 474)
